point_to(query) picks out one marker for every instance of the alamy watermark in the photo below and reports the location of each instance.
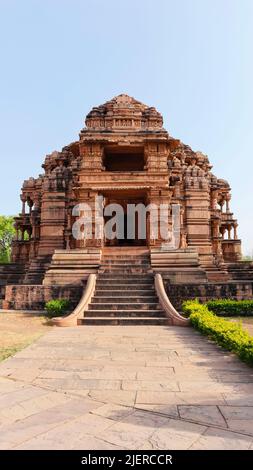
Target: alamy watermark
(114, 221)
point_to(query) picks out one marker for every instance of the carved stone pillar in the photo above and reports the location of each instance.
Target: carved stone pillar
(222, 231)
(228, 197)
(229, 228)
(235, 231)
(214, 200)
(16, 232)
(23, 199)
(30, 204)
(216, 228)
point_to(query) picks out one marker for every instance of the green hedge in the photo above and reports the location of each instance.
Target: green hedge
(56, 308)
(228, 308)
(227, 334)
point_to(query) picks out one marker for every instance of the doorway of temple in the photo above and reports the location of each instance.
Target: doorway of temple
(134, 224)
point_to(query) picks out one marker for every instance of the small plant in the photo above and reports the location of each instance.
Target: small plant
(227, 334)
(57, 308)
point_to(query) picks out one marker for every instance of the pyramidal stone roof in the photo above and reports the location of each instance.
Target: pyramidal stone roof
(124, 113)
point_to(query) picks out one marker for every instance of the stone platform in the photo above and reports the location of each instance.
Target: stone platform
(145, 387)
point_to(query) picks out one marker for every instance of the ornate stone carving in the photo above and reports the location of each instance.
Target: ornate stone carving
(123, 112)
(171, 173)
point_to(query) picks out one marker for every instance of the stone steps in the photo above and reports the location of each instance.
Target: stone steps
(34, 278)
(217, 276)
(124, 313)
(124, 287)
(123, 299)
(36, 270)
(123, 306)
(124, 293)
(125, 282)
(178, 266)
(127, 270)
(11, 273)
(126, 277)
(125, 261)
(134, 321)
(242, 271)
(242, 276)
(128, 251)
(72, 266)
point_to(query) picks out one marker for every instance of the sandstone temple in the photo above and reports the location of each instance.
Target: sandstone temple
(125, 155)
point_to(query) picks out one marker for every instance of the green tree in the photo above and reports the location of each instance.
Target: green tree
(7, 233)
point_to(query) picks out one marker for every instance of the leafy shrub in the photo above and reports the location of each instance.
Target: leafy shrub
(190, 306)
(227, 307)
(227, 334)
(56, 308)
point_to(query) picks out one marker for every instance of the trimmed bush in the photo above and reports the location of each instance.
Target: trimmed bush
(227, 307)
(56, 308)
(227, 334)
(191, 306)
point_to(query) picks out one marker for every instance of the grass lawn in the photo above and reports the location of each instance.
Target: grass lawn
(18, 330)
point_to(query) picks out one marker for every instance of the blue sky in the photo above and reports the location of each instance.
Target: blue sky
(191, 59)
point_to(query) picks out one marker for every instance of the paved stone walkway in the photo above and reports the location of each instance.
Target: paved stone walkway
(125, 388)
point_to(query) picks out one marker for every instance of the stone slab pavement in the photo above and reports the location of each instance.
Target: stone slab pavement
(111, 387)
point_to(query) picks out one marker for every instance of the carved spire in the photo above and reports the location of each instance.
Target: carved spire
(124, 113)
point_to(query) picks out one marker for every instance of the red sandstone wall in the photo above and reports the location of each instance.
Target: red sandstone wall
(177, 293)
(34, 297)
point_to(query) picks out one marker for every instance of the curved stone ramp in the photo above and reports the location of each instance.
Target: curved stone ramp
(72, 318)
(175, 317)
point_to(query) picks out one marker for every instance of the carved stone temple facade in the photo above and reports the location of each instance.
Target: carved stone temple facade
(125, 156)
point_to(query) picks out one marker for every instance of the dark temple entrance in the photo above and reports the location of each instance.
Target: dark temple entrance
(130, 223)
